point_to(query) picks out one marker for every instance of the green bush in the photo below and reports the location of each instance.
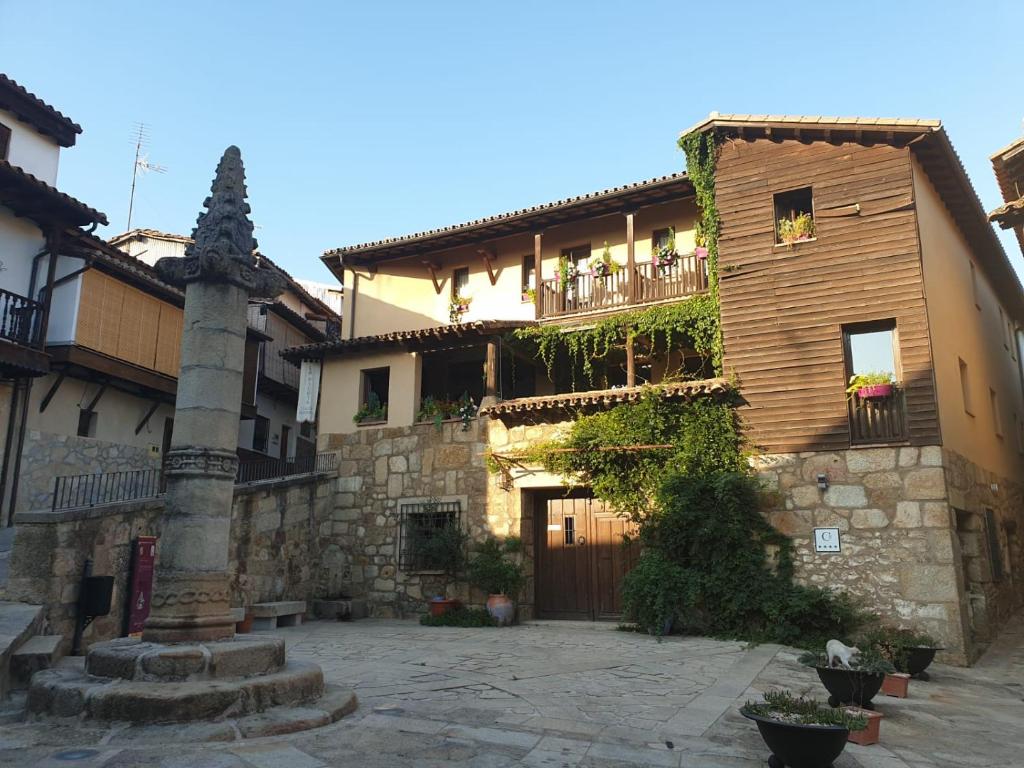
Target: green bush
(493, 571)
(460, 617)
(894, 644)
(653, 594)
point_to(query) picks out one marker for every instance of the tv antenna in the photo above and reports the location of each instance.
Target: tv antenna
(142, 165)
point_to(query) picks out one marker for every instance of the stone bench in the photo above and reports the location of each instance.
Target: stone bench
(283, 613)
(341, 609)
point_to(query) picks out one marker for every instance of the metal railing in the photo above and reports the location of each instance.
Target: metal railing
(80, 491)
(19, 318)
(877, 419)
(273, 469)
(686, 276)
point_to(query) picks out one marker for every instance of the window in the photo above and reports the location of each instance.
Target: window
(86, 423)
(460, 281)
(965, 387)
(260, 433)
(376, 384)
(569, 522)
(529, 278)
(306, 429)
(430, 536)
(5, 141)
(995, 551)
(660, 238)
(974, 286)
(996, 420)
(871, 348)
(794, 216)
(874, 400)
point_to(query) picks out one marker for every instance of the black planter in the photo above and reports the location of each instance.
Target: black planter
(850, 686)
(800, 746)
(918, 660)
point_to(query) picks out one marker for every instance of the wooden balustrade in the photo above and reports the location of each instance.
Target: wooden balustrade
(877, 419)
(19, 318)
(588, 293)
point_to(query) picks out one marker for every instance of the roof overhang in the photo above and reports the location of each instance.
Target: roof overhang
(928, 141)
(525, 221)
(29, 108)
(453, 336)
(33, 199)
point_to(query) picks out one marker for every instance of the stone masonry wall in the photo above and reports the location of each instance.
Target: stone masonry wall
(278, 532)
(47, 456)
(900, 553)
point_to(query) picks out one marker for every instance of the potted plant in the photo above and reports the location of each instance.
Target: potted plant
(874, 385)
(372, 411)
(796, 229)
(529, 296)
(500, 576)
(440, 605)
(567, 274)
(800, 732)
(604, 265)
(457, 307)
(854, 684)
(909, 652)
(465, 409)
(664, 256)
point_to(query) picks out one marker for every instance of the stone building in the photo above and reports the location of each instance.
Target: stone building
(847, 246)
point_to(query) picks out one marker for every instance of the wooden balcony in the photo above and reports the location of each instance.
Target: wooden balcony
(648, 283)
(877, 419)
(19, 318)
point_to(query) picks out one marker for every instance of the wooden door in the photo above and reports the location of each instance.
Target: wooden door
(580, 558)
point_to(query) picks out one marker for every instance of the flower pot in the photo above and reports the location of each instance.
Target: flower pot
(850, 686)
(868, 735)
(896, 684)
(700, 252)
(917, 662)
(439, 607)
(875, 391)
(244, 626)
(800, 746)
(501, 608)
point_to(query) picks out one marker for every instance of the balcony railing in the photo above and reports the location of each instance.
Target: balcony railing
(877, 419)
(273, 469)
(19, 318)
(649, 283)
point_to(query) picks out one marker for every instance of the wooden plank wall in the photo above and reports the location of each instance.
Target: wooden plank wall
(123, 322)
(782, 308)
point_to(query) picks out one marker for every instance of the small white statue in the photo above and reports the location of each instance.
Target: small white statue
(844, 654)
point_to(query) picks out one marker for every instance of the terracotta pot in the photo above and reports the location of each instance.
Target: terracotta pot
(244, 626)
(441, 607)
(875, 392)
(868, 735)
(896, 684)
(801, 746)
(501, 608)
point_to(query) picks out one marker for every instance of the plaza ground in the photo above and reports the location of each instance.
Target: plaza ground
(561, 695)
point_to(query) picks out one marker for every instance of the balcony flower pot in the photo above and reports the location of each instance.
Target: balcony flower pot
(896, 684)
(850, 686)
(501, 608)
(439, 606)
(869, 735)
(797, 745)
(875, 392)
(700, 252)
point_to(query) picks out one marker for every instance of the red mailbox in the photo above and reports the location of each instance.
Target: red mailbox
(141, 592)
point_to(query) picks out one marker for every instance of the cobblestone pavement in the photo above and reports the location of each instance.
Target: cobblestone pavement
(563, 695)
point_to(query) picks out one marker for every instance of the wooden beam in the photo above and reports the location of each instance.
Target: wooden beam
(631, 257)
(488, 257)
(433, 268)
(145, 419)
(491, 369)
(51, 392)
(630, 362)
(92, 404)
(537, 282)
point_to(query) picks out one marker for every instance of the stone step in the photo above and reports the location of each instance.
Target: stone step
(281, 613)
(18, 622)
(238, 657)
(342, 609)
(36, 653)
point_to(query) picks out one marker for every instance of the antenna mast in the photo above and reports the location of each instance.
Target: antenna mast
(142, 164)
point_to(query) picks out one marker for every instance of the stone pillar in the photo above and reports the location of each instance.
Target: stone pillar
(191, 596)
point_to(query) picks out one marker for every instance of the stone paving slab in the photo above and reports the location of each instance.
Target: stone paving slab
(565, 695)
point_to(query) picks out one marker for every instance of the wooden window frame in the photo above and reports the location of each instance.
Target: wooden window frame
(87, 418)
(997, 420)
(528, 265)
(5, 141)
(455, 280)
(776, 217)
(965, 386)
(256, 431)
(871, 326)
(365, 388)
(656, 236)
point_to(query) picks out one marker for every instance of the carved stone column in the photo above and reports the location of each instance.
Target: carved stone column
(191, 598)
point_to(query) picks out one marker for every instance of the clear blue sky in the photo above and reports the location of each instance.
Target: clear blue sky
(359, 121)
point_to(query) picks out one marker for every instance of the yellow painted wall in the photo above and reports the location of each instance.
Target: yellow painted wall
(401, 295)
(959, 330)
(341, 389)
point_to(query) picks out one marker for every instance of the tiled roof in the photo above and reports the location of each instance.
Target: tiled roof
(442, 336)
(15, 98)
(154, 233)
(33, 198)
(79, 242)
(604, 398)
(1009, 215)
(865, 123)
(479, 227)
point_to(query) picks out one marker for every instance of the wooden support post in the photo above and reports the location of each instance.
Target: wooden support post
(631, 263)
(92, 405)
(145, 419)
(491, 370)
(488, 258)
(51, 392)
(630, 362)
(538, 285)
(433, 269)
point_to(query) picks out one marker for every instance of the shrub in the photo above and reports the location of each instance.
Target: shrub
(782, 705)
(492, 571)
(895, 644)
(460, 617)
(653, 594)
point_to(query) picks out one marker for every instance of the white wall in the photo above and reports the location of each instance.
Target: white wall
(279, 413)
(30, 150)
(152, 249)
(20, 241)
(66, 298)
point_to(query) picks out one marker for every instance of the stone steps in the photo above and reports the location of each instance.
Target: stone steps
(35, 654)
(18, 623)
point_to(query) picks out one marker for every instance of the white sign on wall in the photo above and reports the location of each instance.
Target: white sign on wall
(309, 391)
(826, 540)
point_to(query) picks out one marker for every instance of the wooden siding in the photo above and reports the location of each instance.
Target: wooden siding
(783, 308)
(121, 321)
(284, 336)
